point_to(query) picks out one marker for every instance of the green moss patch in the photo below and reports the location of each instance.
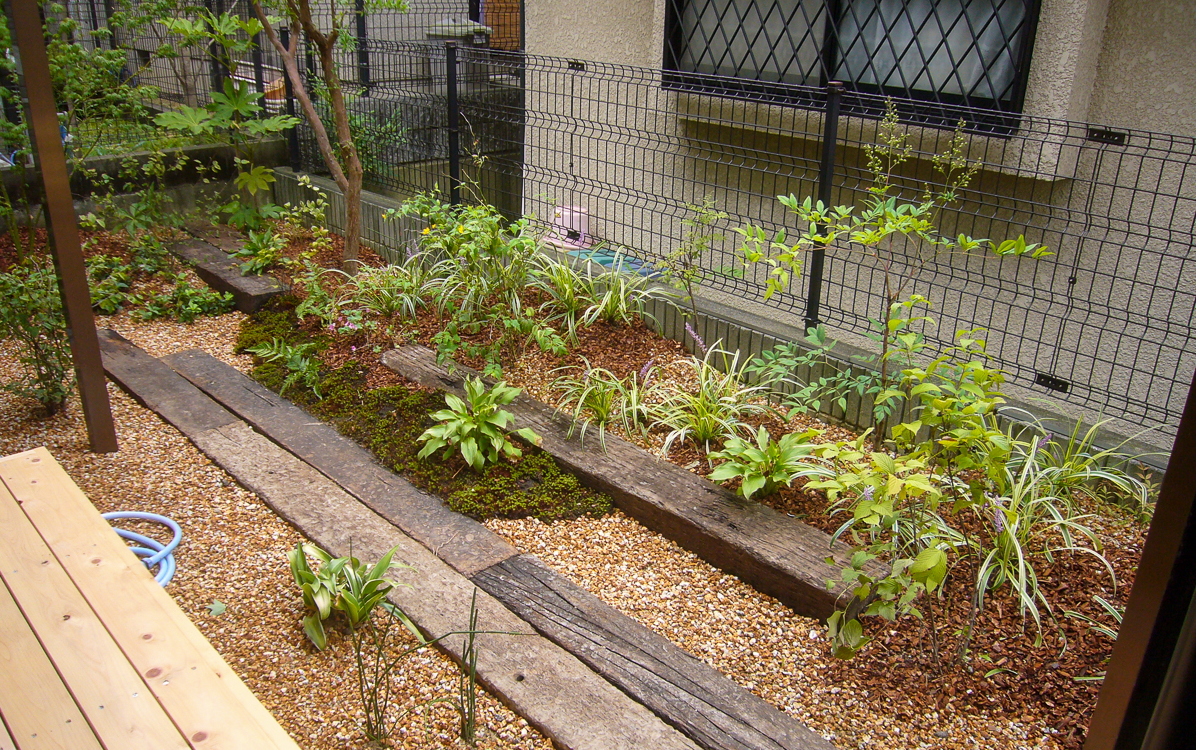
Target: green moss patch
(388, 422)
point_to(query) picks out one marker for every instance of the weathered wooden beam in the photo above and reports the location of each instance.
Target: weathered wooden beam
(464, 543)
(41, 117)
(774, 553)
(680, 689)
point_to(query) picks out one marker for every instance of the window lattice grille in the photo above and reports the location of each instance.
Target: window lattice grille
(972, 52)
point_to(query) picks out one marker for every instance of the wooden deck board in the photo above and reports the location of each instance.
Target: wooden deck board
(33, 700)
(201, 693)
(104, 685)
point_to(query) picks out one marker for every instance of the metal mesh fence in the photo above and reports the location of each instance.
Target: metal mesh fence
(614, 156)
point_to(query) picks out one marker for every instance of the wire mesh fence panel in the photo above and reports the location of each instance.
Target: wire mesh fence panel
(618, 157)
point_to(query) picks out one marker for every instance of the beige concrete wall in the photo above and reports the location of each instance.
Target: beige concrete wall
(622, 32)
(1146, 73)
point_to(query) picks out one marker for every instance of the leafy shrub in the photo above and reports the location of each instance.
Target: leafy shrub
(765, 466)
(477, 427)
(259, 252)
(108, 280)
(31, 314)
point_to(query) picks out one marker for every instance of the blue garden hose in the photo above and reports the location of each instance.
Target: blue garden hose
(154, 553)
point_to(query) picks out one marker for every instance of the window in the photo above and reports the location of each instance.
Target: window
(972, 52)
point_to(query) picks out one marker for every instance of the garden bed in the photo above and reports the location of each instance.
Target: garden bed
(1006, 691)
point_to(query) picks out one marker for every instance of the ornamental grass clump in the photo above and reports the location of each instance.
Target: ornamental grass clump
(714, 408)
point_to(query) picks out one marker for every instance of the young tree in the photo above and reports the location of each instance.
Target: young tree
(342, 159)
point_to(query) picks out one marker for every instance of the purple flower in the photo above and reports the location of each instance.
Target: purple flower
(643, 375)
(998, 517)
(1045, 439)
(868, 492)
(695, 337)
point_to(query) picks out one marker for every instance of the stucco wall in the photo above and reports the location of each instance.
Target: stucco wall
(622, 32)
(1146, 76)
(636, 164)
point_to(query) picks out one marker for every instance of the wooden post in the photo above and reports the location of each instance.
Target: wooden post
(41, 117)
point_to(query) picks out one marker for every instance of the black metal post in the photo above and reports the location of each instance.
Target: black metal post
(360, 30)
(816, 268)
(293, 137)
(257, 60)
(214, 67)
(452, 116)
(108, 12)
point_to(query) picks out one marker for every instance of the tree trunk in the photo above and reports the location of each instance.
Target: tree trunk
(344, 165)
(354, 178)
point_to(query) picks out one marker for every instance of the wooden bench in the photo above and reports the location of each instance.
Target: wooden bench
(93, 652)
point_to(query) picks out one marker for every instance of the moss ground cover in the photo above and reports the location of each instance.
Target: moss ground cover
(388, 420)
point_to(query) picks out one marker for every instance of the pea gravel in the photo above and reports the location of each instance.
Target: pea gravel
(233, 552)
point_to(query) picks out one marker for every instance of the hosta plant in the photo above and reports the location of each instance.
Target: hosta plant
(766, 465)
(477, 427)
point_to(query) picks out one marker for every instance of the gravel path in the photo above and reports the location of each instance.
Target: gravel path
(233, 552)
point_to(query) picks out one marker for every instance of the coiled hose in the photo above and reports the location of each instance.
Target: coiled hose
(153, 552)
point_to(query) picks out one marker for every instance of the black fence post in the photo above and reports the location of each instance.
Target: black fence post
(360, 31)
(256, 60)
(452, 115)
(108, 14)
(293, 137)
(816, 268)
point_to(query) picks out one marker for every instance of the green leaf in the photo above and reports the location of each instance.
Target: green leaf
(191, 119)
(216, 608)
(929, 568)
(315, 631)
(470, 452)
(529, 436)
(254, 180)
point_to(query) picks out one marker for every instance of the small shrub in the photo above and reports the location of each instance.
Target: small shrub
(108, 279)
(259, 252)
(31, 314)
(765, 466)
